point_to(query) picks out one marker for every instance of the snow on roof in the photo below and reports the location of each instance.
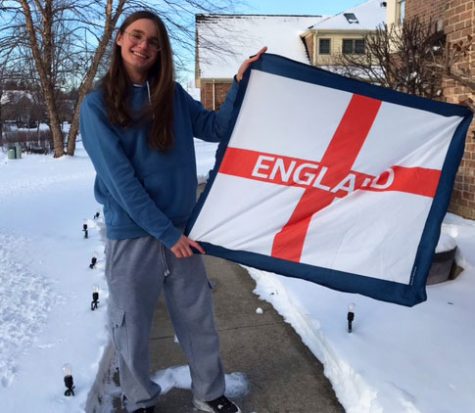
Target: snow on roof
(14, 96)
(225, 41)
(366, 16)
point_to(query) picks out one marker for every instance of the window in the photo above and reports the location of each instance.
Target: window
(324, 46)
(351, 17)
(401, 11)
(347, 46)
(353, 46)
(359, 46)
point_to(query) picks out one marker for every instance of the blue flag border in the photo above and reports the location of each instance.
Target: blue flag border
(410, 294)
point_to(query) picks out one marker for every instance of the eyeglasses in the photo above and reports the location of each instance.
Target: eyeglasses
(139, 37)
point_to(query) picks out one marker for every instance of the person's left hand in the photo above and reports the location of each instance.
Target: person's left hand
(247, 62)
(182, 248)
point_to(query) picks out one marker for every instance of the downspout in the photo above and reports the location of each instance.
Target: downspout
(214, 94)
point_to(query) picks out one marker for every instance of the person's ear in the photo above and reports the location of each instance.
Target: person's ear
(118, 40)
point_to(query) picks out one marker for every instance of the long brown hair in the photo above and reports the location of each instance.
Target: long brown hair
(116, 85)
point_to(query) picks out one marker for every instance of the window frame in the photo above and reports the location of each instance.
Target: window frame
(362, 48)
(353, 49)
(325, 52)
(400, 11)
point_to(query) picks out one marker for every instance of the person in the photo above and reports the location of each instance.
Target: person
(138, 128)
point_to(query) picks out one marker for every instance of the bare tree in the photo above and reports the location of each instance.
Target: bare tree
(409, 58)
(66, 41)
(50, 34)
(456, 66)
(5, 52)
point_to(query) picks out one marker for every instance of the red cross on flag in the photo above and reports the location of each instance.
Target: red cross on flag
(332, 180)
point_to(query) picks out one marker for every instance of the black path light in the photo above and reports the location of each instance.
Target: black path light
(93, 262)
(84, 228)
(68, 380)
(95, 298)
(97, 215)
(350, 317)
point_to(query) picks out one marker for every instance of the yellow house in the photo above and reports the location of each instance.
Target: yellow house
(396, 11)
(343, 33)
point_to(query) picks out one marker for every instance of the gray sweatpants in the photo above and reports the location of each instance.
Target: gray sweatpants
(136, 271)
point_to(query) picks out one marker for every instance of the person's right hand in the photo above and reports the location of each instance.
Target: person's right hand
(245, 65)
(182, 249)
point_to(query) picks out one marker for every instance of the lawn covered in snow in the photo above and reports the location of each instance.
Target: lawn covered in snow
(397, 359)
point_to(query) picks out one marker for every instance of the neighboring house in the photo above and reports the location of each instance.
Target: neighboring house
(225, 41)
(343, 33)
(18, 106)
(456, 18)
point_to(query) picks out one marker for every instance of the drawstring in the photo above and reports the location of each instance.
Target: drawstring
(148, 91)
(166, 271)
(150, 98)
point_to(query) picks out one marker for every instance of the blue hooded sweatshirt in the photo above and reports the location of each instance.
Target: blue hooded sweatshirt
(144, 191)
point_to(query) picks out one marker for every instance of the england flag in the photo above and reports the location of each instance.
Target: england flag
(332, 180)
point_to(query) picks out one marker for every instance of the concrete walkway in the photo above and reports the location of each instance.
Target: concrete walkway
(284, 377)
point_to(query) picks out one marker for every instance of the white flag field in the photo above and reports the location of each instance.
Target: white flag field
(332, 180)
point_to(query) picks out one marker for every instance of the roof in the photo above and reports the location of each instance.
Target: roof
(225, 41)
(366, 16)
(15, 96)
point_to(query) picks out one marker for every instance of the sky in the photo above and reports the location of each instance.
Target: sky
(319, 7)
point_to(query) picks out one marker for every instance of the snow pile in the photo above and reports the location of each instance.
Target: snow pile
(446, 243)
(180, 378)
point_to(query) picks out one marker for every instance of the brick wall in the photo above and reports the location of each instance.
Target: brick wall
(460, 22)
(426, 9)
(458, 18)
(221, 89)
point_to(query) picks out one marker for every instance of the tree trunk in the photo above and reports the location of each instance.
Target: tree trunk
(111, 21)
(72, 134)
(43, 66)
(57, 134)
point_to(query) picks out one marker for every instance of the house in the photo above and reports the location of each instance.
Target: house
(456, 18)
(19, 107)
(343, 33)
(225, 41)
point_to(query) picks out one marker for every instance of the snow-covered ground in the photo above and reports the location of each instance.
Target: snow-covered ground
(397, 359)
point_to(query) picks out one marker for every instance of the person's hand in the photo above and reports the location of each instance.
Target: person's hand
(469, 103)
(247, 62)
(182, 249)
